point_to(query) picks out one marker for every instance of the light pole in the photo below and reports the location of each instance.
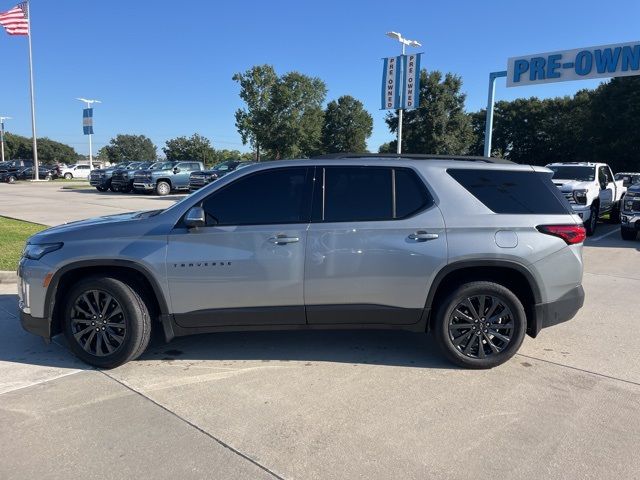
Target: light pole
(2, 119)
(90, 102)
(405, 42)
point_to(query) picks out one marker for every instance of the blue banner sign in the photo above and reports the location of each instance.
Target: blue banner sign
(411, 73)
(87, 121)
(619, 60)
(391, 88)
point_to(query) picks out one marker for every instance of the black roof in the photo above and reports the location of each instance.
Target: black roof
(413, 156)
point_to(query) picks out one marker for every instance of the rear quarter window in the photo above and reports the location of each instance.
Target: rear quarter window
(513, 192)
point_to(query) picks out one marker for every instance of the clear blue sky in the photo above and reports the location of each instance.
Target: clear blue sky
(164, 68)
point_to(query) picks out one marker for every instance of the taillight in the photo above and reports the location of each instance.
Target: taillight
(571, 234)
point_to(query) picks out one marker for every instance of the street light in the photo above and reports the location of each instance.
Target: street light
(89, 102)
(2, 119)
(405, 43)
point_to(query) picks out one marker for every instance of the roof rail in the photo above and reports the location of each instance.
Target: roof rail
(412, 156)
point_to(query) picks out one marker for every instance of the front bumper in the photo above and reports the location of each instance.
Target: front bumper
(143, 186)
(99, 182)
(630, 220)
(583, 211)
(35, 325)
(561, 310)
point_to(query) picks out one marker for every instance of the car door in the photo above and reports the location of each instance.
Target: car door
(82, 171)
(607, 193)
(246, 267)
(375, 243)
(181, 178)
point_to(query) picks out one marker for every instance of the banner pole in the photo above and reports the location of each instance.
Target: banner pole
(399, 146)
(33, 106)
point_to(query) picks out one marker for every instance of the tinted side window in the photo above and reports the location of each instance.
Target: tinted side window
(357, 194)
(513, 192)
(411, 193)
(268, 197)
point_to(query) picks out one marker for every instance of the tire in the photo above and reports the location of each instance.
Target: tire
(68, 176)
(163, 188)
(101, 189)
(112, 188)
(628, 234)
(592, 224)
(12, 179)
(510, 322)
(614, 216)
(125, 189)
(114, 345)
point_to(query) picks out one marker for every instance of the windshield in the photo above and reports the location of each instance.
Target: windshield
(628, 178)
(584, 174)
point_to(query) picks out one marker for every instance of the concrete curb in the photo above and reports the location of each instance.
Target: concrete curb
(8, 277)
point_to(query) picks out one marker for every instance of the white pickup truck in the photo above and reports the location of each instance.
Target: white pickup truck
(591, 190)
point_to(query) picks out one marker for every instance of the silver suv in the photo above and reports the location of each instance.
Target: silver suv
(478, 251)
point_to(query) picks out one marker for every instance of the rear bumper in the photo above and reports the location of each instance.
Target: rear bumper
(558, 311)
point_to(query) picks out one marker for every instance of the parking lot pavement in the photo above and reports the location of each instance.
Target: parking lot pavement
(48, 203)
(337, 404)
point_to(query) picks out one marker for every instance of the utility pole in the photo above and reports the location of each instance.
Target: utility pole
(88, 126)
(2, 119)
(404, 42)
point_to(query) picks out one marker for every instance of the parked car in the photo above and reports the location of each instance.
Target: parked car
(11, 170)
(76, 171)
(167, 177)
(591, 190)
(477, 251)
(101, 177)
(28, 173)
(122, 178)
(630, 215)
(202, 178)
(628, 178)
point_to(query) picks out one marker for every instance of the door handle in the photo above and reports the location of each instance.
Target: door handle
(283, 239)
(422, 236)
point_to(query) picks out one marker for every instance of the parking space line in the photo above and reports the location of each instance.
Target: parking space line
(212, 437)
(595, 239)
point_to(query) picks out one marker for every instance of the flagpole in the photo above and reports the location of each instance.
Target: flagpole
(33, 106)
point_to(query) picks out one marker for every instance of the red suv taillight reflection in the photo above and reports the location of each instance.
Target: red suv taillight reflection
(571, 234)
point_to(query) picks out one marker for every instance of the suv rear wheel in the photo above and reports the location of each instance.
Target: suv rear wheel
(106, 322)
(480, 325)
(68, 176)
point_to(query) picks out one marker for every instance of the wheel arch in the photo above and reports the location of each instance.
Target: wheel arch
(125, 270)
(512, 275)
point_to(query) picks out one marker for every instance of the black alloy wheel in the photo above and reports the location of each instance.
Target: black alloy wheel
(480, 324)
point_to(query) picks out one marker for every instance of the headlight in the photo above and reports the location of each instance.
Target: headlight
(36, 252)
(580, 196)
(628, 201)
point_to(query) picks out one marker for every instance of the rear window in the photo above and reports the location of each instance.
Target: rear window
(513, 192)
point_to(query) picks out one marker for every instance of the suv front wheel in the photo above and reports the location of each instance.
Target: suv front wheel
(480, 325)
(106, 322)
(163, 188)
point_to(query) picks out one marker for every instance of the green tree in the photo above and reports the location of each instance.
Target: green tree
(283, 115)
(347, 125)
(388, 147)
(252, 122)
(129, 147)
(439, 125)
(195, 147)
(49, 151)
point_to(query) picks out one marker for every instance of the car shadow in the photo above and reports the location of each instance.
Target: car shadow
(372, 347)
(109, 193)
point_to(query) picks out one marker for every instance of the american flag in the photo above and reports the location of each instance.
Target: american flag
(15, 21)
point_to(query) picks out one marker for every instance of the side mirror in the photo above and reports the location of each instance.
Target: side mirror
(176, 170)
(195, 218)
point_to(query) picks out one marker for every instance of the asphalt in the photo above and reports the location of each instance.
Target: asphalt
(329, 405)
